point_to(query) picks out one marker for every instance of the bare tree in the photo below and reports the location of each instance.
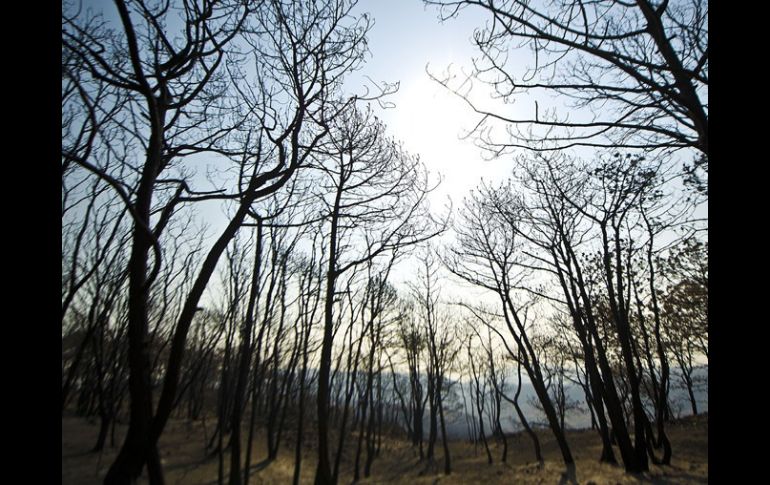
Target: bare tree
(380, 299)
(489, 254)
(163, 79)
(237, 289)
(487, 318)
(98, 327)
(310, 287)
(555, 227)
(597, 227)
(95, 249)
(412, 343)
(181, 103)
(638, 70)
(440, 343)
(684, 307)
(374, 196)
(479, 392)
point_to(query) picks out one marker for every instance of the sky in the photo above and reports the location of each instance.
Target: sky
(406, 39)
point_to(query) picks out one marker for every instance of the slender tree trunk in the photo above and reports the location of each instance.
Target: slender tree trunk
(479, 398)
(361, 430)
(468, 419)
(104, 426)
(607, 456)
(550, 412)
(300, 421)
(504, 457)
(370, 439)
(302, 386)
(244, 363)
(138, 443)
(447, 458)
(252, 424)
(687, 379)
(323, 472)
(522, 418)
(433, 429)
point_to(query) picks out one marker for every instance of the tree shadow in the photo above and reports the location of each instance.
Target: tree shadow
(187, 467)
(676, 474)
(188, 464)
(429, 467)
(259, 466)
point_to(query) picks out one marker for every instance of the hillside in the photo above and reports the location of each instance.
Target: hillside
(185, 463)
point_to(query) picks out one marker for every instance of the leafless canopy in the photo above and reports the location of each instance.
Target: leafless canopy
(635, 73)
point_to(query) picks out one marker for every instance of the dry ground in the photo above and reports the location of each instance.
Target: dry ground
(185, 463)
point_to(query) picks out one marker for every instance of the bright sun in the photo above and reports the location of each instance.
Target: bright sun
(429, 120)
(427, 115)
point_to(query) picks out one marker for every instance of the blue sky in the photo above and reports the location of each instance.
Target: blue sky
(407, 37)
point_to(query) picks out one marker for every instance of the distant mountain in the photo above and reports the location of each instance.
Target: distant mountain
(575, 419)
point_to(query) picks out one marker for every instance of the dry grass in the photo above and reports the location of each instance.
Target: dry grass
(185, 463)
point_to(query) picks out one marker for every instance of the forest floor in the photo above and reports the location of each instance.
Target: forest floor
(185, 462)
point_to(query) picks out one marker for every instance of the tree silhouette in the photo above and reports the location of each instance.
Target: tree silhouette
(638, 71)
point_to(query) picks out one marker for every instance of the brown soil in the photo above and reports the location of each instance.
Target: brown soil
(184, 460)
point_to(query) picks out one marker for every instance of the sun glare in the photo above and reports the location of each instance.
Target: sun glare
(427, 115)
(431, 122)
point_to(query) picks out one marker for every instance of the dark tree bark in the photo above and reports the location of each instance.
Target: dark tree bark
(242, 370)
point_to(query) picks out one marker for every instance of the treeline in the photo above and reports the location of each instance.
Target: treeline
(284, 321)
(594, 244)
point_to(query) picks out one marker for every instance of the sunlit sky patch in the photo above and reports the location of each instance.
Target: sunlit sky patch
(406, 41)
